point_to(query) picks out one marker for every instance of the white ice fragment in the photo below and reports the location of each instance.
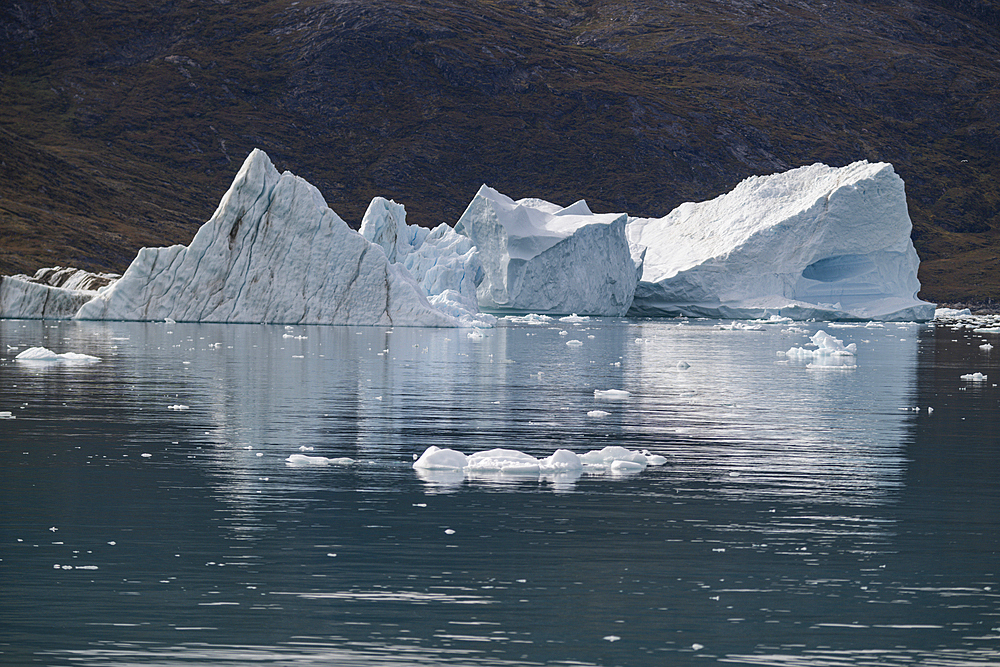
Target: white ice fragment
(683, 365)
(564, 333)
(7, 414)
(449, 531)
(574, 343)
(974, 377)
(178, 406)
(611, 394)
(562, 460)
(598, 413)
(146, 455)
(304, 448)
(475, 334)
(612, 638)
(503, 460)
(830, 352)
(303, 460)
(986, 346)
(574, 318)
(436, 458)
(45, 355)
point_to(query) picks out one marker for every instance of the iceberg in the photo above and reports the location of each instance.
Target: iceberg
(55, 293)
(273, 252)
(444, 263)
(540, 258)
(814, 242)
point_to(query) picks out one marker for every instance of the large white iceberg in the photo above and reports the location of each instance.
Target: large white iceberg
(273, 252)
(541, 258)
(814, 242)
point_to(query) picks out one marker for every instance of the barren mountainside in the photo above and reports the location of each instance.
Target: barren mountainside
(123, 123)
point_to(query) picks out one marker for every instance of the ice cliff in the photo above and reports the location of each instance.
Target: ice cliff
(539, 257)
(272, 252)
(814, 242)
(52, 293)
(444, 263)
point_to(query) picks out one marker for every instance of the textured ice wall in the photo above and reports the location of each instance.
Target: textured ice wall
(813, 242)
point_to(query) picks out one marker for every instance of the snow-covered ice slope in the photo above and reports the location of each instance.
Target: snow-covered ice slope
(541, 258)
(273, 252)
(52, 293)
(814, 242)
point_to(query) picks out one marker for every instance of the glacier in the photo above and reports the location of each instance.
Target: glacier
(538, 257)
(813, 242)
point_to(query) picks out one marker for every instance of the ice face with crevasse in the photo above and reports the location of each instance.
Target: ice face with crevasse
(814, 242)
(541, 258)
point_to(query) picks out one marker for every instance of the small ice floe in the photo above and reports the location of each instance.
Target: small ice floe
(46, 356)
(304, 448)
(303, 460)
(974, 377)
(178, 406)
(611, 394)
(951, 313)
(146, 455)
(597, 414)
(830, 352)
(574, 343)
(986, 347)
(683, 365)
(575, 319)
(475, 334)
(987, 330)
(7, 414)
(741, 326)
(563, 333)
(612, 638)
(169, 320)
(561, 467)
(530, 318)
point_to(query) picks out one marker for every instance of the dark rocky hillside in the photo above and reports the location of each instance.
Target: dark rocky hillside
(123, 122)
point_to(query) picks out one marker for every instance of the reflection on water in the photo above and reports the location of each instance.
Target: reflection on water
(804, 517)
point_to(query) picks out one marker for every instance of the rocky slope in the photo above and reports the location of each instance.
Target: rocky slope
(121, 123)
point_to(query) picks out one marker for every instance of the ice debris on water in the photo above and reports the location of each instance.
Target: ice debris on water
(974, 377)
(830, 352)
(574, 343)
(598, 413)
(613, 459)
(303, 460)
(7, 414)
(611, 394)
(178, 406)
(45, 355)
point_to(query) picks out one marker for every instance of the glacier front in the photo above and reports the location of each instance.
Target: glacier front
(541, 258)
(814, 242)
(273, 252)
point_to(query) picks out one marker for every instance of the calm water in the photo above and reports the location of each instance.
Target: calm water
(804, 516)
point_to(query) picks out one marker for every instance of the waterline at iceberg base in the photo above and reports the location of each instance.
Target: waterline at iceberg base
(812, 243)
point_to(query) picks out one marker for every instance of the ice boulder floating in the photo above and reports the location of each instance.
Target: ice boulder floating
(541, 258)
(511, 462)
(273, 252)
(814, 242)
(45, 356)
(830, 352)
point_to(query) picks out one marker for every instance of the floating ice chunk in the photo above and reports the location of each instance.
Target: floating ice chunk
(986, 330)
(627, 467)
(611, 638)
(562, 460)
(574, 318)
(574, 343)
(530, 318)
(475, 334)
(303, 460)
(974, 377)
(607, 458)
(951, 313)
(986, 346)
(611, 394)
(178, 406)
(7, 414)
(508, 461)
(653, 459)
(146, 455)
(598, 413)
(435, 458)
(683, 365)
(830, 353)
(304, 448)
(45, 355)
